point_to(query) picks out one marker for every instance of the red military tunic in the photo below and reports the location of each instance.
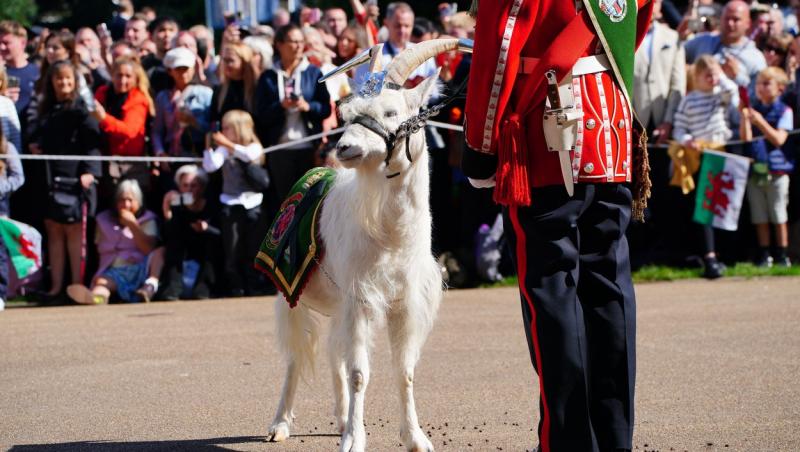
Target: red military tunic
(531, 29)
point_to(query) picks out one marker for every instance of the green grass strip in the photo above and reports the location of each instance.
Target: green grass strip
(652, 273)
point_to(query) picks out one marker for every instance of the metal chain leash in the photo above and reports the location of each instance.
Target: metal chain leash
(325, 272)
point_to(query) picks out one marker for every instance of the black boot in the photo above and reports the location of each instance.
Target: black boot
(713, 268)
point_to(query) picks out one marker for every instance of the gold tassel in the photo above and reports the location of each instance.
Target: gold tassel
(641, 173)
(473, 10)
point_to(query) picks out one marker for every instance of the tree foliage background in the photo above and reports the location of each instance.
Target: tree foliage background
(22, 11)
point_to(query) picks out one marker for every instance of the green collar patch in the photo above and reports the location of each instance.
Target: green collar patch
(615, 22)
(291, 249)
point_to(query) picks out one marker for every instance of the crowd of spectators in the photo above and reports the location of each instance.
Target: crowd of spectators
(147, 85)
(721, 76)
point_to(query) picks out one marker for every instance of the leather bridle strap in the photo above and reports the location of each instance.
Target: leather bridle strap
(376, 128)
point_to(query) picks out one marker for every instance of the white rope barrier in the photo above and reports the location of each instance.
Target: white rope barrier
(102, 158)
(442, 125)
(133, 159)
(727, 143)
(277, 147)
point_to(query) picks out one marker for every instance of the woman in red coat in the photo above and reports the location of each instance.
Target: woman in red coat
(122, 109)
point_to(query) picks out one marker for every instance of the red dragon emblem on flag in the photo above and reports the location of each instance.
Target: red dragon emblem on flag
(716, 199)
(26, 248)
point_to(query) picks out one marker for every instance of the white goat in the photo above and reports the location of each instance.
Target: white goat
(378, 266)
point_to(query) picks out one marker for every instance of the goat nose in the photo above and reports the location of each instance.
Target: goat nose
(341, 147)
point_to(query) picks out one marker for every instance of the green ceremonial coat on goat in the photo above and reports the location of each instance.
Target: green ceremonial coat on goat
(291, 249)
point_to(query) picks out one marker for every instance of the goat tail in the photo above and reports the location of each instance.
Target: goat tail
(298, 335)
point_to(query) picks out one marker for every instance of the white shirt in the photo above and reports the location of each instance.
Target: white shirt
(9, 121)
(213, 159)
(294, 129)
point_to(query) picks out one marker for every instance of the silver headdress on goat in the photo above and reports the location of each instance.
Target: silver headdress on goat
(400, 68)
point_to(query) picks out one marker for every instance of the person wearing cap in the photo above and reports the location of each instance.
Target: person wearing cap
(183, 111)
(549, 124)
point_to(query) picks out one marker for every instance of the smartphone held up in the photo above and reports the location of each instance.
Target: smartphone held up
(744, 97)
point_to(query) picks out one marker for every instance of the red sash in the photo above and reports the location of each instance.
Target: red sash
(513, 183)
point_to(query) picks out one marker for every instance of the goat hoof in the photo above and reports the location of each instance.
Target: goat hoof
(351, 443)
(416, 441)
(278, 432)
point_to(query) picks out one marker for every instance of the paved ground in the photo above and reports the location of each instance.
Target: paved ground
(719, 365)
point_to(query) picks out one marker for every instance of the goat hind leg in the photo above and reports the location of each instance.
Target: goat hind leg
(355, 334)
(406, 341)
(279, 430)
(287, 326)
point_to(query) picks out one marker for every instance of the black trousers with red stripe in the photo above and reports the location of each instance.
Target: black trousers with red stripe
(579, 311)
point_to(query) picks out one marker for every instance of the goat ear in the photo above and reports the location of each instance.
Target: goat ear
(376, 62)
(419, 95)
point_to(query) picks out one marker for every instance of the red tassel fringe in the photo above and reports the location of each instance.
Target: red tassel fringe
(512, 184)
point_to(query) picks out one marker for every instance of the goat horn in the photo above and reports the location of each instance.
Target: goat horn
(366, 56)
(410, 59)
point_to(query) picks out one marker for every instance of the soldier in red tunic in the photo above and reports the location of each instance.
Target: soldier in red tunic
(549, 124)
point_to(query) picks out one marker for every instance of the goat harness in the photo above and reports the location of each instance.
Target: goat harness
(407, 128)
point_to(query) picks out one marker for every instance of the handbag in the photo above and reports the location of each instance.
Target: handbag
(65, 190)
(255, 175)
(65, 200)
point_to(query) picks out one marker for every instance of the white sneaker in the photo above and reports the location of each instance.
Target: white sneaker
(2, 304)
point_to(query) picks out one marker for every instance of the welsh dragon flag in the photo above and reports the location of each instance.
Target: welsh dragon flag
(720, 189)
(24, 245)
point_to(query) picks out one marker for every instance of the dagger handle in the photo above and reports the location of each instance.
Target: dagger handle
(552, 90)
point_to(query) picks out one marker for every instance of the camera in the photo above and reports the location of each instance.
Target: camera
(183, 199)
(702, 24)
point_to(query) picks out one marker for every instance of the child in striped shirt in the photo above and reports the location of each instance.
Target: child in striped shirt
(705, 113)
(704, 118)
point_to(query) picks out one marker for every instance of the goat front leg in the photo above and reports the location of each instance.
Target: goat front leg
(355, 334)
(406, 340)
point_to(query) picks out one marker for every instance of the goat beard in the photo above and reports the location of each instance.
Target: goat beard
(369, 211)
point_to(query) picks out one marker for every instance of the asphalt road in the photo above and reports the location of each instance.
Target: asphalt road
(719, 370)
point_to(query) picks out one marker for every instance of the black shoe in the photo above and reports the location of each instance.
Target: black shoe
(169, 292)
(201, 291)
(46, 299)
(713, 268)
(764, 262)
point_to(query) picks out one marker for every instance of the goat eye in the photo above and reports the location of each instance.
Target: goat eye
(390, 114)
